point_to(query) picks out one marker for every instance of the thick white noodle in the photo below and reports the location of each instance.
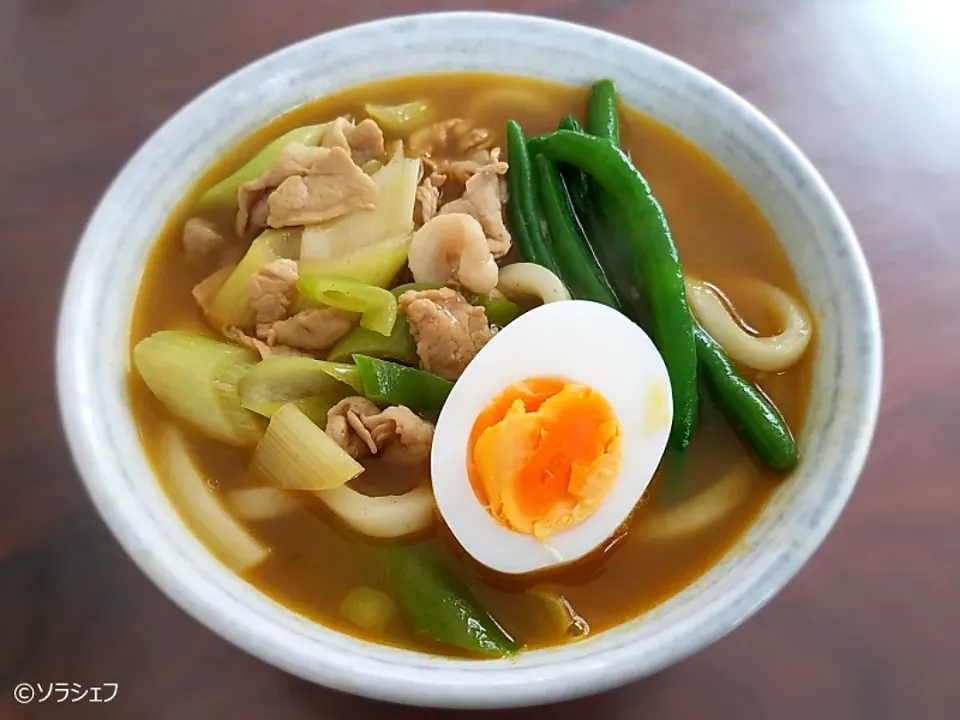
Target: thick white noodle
(771, 354)
(200, 505)
(701, 511)
(388, 516)
(531, 280)
(262, 503)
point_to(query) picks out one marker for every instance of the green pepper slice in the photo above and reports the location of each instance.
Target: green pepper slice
(440, 606)
(378, 307)
(392, 384)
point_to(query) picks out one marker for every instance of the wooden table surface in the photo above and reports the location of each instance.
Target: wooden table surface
(869, 89)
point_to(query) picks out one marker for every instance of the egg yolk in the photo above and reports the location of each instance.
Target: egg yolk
(543, 455)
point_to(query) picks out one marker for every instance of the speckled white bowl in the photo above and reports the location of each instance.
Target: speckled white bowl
(95, 321)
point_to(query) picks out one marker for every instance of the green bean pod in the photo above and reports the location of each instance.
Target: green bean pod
(596, 230)
(578, 268)
(649, 246)
(747, 408)
(603, 120)
(522, 204)
(577, 182)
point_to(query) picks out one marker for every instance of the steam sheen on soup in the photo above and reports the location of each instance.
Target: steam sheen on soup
(420, 361)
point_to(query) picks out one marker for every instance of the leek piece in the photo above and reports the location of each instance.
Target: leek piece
(395, 151)
(371, 166)
(199, 505)
(231, 303)
(224, 193)
(385, 516)
(368, 609)
(564, 618)
(315, 407)
(276, 381)
(376, 264)
(400, 119)
(204, 290)
(196, 378)
(392, 217)
(262, 503)
(378, 307)
(295, 454)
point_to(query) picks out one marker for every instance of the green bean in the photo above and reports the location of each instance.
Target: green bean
(602, 217)
(577, 182)
(602, 117)
(522, 207)
(578, 268)
(649, 245)
(580, 188)
(596, 230)
(747, 408)
(569, 122)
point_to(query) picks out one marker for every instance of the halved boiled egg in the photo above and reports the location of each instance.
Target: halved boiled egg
(550, 437)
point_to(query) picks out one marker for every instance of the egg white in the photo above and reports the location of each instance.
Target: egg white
(582, 342)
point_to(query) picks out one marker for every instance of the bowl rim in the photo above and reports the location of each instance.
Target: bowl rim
(453, 687)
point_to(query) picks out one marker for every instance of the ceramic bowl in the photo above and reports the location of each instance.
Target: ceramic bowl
(92, 357)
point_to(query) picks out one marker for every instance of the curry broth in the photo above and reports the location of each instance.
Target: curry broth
(721, 235)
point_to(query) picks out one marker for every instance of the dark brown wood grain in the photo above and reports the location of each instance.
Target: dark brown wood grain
(869, 89)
